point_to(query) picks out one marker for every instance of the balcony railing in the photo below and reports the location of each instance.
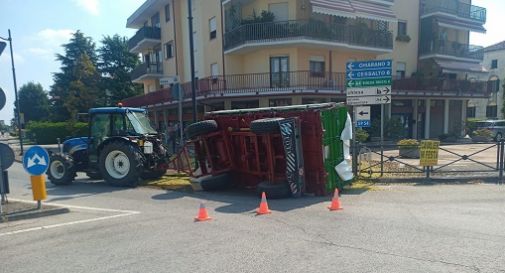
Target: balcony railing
(146, 69)
(152, 33)
(348, 34)
(266, 83)
(453, 49)
(444, 85)
(455, 7)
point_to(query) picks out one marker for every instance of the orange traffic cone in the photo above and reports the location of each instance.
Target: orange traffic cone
(335, 202)
(263, 209)
(202, 214)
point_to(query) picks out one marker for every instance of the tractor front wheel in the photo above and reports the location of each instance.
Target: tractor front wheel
(61, 170)
(121, 164)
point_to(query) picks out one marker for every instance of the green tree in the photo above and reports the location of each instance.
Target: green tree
(33, 101)
(115, 65)
(76, 86)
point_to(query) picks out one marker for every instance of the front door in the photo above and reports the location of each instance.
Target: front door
(99, 131)
(279, 72)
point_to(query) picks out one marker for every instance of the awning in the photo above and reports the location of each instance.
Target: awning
(373, 11)
(462, 25)
(341, 8)
(455, 66)
(353, 9)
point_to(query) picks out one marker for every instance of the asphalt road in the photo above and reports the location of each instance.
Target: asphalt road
(399, 228)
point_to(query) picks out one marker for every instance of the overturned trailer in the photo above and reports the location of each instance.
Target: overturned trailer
(283, 151)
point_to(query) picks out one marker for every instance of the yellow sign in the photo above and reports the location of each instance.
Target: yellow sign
(428, 150)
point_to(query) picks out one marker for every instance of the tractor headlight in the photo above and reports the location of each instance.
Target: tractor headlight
(148, 147)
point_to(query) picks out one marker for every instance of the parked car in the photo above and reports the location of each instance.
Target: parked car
(497, 127)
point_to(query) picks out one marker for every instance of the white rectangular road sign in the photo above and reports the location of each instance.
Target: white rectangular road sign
(363, 113)
(368, 91)
(369, 100)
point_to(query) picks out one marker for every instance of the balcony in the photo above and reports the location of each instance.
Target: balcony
(454, 8)
(308, 32)
(306, 82)
(146, 71)
(145, 38)
(443, 87)
(453, 50)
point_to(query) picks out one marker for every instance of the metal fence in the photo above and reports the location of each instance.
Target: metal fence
(455, 160)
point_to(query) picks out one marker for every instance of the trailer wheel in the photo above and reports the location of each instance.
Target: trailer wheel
(215, 182)
(266, 125)
(61, 170)
(201, 128)
(121, 164)
(274, 191)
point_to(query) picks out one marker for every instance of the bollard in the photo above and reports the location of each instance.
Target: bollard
(38, 189)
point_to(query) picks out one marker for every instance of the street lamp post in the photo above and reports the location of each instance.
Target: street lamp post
(9, 39)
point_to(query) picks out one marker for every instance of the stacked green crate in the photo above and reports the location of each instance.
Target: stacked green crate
(333, 150)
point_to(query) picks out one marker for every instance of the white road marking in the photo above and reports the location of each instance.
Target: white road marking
(122, 213)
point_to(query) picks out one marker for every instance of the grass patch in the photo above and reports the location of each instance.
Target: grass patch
(170, 182)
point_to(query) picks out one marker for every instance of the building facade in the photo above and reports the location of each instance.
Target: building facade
(261, 53)
(491, 107)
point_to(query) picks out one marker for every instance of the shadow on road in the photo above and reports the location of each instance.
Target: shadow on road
(81, 187)
(241, 201)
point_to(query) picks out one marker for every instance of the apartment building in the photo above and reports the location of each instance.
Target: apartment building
(261, 53)
(491, 107)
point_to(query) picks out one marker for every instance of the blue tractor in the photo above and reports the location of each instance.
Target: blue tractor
(122, 148)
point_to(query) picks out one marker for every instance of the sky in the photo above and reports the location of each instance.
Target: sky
(40, 27)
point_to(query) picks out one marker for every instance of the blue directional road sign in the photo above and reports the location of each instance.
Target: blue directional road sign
(36, 160)
(368, 65)
(363, 123)
(368, 74)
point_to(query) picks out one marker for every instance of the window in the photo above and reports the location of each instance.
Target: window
(214, 72)
(317, 68)
(279, 102)
(155, 20)
(169, 53)
(402, 28)
(470, 112)
(491, 111)
(244, 104)
(167, 12)
(494, 64)
(400, 70)
(280, 11)
(213, 28)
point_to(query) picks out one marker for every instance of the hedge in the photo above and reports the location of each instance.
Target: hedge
(45, 132)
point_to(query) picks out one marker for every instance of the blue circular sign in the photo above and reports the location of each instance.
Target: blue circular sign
(36, 160)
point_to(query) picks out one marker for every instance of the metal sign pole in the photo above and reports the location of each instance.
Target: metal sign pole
(181, 131)
(382, 140)
(354, 150)
(2, 190)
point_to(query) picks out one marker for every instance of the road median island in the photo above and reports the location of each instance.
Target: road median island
(16, 210)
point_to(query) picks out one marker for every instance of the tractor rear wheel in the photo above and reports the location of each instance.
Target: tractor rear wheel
(265, 125)
(61, 170)
(121, 164)
(201, 128)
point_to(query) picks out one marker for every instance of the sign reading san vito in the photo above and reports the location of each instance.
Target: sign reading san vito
(369, 82)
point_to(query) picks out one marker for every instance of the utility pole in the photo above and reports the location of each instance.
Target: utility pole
(18, 110)
(192, 59)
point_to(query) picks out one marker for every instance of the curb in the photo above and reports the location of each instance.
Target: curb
(32, 214)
